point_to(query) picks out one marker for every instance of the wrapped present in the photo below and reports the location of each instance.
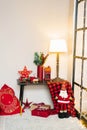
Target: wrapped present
(45, 107)
(40, 109)
(40, 106)
(40, 112)
(36, 105)
(32, 107)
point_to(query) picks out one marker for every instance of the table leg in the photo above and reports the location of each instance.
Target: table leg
(21, 93)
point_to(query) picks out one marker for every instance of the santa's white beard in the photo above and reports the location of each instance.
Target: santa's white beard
(63, 94)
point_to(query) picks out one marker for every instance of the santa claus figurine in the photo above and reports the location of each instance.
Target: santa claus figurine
(63, 99)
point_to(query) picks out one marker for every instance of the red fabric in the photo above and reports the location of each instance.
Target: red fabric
(9, 103)
(54, 88)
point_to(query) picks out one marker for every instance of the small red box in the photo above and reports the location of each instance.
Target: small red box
(41, 113)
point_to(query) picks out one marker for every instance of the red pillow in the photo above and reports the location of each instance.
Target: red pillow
(9, 103)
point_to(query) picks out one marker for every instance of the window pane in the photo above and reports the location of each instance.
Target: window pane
(78, 64)
(84, 103)
(79, 42)
(85, 74)
(85, 48)
(80, 15)
(86, 13)
(77, 97)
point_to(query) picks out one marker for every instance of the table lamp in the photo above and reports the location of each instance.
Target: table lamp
(57, 47)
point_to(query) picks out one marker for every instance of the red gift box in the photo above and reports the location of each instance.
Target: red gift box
(40, 112)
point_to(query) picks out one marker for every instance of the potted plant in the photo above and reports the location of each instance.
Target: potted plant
(39, 60)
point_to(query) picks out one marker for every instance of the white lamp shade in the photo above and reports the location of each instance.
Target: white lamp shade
(58, 46)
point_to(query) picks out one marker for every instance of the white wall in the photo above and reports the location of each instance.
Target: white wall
(27, 26)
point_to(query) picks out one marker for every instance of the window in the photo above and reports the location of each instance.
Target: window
(79, 82)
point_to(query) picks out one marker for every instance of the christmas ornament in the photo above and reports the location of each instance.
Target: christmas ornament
(26, 104)
(25, 73)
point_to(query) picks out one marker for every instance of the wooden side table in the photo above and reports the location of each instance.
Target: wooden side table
(23, 84)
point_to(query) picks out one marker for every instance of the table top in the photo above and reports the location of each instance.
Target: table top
(27, 82)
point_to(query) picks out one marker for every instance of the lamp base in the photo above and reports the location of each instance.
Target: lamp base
(57, 79)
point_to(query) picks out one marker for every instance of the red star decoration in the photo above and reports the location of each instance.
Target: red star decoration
(25, 72)
(26, 104)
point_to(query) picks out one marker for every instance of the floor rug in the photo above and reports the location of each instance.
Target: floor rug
(28, 122)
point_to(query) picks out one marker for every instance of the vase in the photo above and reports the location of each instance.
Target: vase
(40, 72)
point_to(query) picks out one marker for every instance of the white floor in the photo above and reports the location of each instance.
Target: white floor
(28, 122)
